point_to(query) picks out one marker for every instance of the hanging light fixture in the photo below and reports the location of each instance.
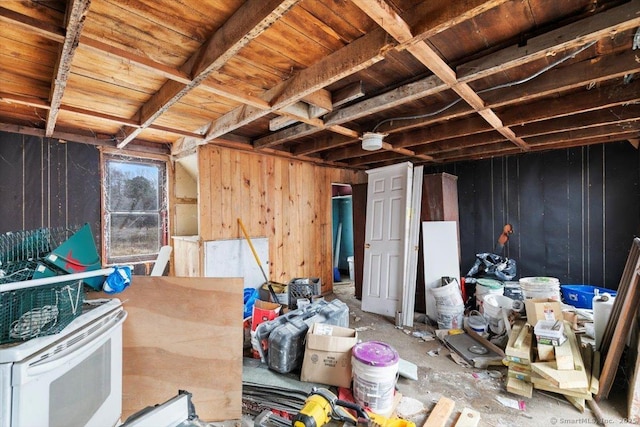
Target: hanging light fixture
(372, 141)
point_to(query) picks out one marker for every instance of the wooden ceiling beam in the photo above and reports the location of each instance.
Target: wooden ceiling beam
(405, 152)
(32, 25)
(599, 131)
(563, 144)
(432, 17)
(487, 152)
(554, 82)
(570, 36)
(390, 99)
(88, 138)
(440, 131)
(247, 23)
(354, 57)
(76, 13)
(503, 148)
(295, 88)
(321, 99)
(314, 146)
(546, 84)
(582, 102)
(491, 150)
(123, 121)
(401, 95)
(584, 73)
(620, 116)
(349, 93)
(388, 19)
(454, 144)
(602, 107)
(615, 115)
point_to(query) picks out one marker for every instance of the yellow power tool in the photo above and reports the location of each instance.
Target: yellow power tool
(322, 406)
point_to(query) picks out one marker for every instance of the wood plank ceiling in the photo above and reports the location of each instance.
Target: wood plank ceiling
(442, 80)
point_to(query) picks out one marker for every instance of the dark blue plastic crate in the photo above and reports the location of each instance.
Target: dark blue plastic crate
(581, 296)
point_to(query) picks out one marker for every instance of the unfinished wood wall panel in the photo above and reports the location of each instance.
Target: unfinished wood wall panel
(183, 334)
(287, 201)
(188, 256)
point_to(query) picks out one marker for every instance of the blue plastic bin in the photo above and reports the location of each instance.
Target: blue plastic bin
(581, 296)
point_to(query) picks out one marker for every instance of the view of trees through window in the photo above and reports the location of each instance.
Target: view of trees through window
(135, 209)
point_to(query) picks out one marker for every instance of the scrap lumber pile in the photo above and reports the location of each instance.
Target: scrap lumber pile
(566, 369)
(541, 358)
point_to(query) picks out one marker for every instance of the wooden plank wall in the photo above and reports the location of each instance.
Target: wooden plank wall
(285, 200)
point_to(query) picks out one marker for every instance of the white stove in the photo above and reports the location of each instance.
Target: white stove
(73, 377)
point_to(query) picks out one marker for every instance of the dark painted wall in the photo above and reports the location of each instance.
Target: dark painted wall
(44, 183)
(575, 212)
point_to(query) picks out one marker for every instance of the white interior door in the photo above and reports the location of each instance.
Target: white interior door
(409, 291)
(386, 238)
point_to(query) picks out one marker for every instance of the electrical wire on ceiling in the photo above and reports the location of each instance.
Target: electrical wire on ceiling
(501, 86)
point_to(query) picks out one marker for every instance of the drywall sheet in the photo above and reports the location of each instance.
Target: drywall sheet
(183, 333)
(233, 258)
(440, 250)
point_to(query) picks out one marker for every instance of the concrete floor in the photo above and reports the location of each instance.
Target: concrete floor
(440, 376)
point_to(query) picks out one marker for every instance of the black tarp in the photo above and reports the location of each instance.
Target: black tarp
(574, 211)
(45, 183)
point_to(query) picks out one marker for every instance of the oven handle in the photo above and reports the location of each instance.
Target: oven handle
(78, 350)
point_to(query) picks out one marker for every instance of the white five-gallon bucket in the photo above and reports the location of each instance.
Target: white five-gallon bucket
(540, 287)
(375, 372)
(486, 287)
(449, 306)
(496, 307)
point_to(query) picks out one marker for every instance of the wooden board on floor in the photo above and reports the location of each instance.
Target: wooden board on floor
(440, 413)
(183, 334)
(544, 384)
(564, 356)
(561, 378)
(468, 418)
(519, 387)
(579, 403)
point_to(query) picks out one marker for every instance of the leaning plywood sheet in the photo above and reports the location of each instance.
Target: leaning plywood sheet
(184, 334)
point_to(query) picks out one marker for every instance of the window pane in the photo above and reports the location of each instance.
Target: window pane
(133, 186)
(134, 234)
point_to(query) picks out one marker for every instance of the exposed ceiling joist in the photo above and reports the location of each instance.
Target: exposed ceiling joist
(251, 20)
(76, 14)
(355, 56)
(388, 19)
(571, 36)
(445, 81)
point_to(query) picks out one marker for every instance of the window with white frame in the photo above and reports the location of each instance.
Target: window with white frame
(135, 208)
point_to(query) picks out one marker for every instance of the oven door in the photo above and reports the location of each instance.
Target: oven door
(76, 382)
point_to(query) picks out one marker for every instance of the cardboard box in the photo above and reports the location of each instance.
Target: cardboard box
(327, 355)
(542, 309)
